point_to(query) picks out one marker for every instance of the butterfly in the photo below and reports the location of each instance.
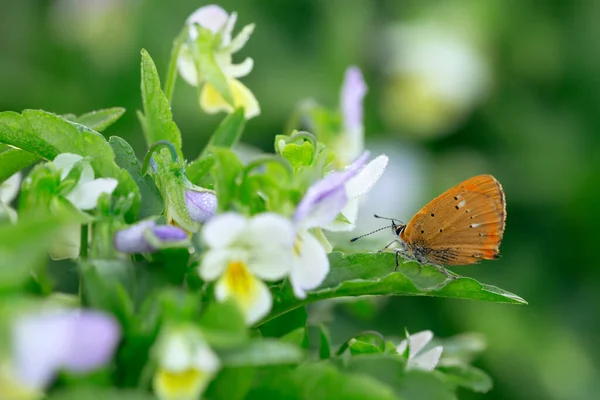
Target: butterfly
(461, 226)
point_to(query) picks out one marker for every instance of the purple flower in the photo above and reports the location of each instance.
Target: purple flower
(73, 340)
(325, 199)
(353, 92)
(201, 205)
(146, 237)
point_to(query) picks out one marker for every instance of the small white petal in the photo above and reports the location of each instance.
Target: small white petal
(204, 359)
(418, 341)
(270, 230)
(367, 177)
(186, 67)
(239, 70)
(350, 212)
(427, 360)
(10, 188)
(311, 265)
(85, 196)
(174, 353)
(223, 230)
(211, 17)
(240, 40)
(251, 294)
(64, 162)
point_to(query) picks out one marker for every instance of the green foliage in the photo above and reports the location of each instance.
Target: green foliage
(99, 120)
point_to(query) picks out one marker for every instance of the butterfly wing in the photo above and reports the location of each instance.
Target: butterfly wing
(461, 226)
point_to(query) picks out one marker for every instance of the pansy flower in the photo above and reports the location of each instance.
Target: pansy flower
(244, 252)
(205, 59)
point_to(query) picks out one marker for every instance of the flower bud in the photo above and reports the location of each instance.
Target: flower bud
(146, 237)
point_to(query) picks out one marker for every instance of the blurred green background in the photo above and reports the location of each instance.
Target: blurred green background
(456, 88)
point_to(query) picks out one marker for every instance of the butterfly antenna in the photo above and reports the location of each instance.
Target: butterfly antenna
(391, 219)
(367, 234)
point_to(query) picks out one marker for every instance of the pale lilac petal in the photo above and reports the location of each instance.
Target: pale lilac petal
(353, 92)
(211, 17)
(201, 205)
(364, 181)
(326, 198)
(134, 239)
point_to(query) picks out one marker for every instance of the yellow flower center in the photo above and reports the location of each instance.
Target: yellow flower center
(187, 384)
(240, 282)
(298, 246)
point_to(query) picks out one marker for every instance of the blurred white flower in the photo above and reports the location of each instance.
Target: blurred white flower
(435, 78)
(205, 59)
(416, 358)
(186, 364)
(242, 253)
(8, 192)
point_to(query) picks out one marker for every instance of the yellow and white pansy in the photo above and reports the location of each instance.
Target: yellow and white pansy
(244, 252)
(205, 58)
(83, 196)
(185, 364)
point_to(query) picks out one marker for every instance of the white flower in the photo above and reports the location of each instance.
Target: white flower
(436, 77)
(356, 187)
(244, 252)
(8, 191)
(186, 364)
(84, 196)
(425, 360)
(209, 62)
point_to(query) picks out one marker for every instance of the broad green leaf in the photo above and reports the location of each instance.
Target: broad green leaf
(198, 169)
(389, 369)
(262, 352)
(96, 393)
(125, 158)
(373, 274)
(24, 247)
(229, 131)
(230, 384)
(467, 376)
(225, 172)
(223, 324)
(284, 324)
(14, 160)
(362, 347)
(159, 123)
(423, 385)
(99, 120)
(16, 131)
(324, 342)
(318, 381)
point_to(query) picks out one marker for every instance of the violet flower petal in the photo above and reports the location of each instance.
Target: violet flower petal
(325, 199)
(201, 205)
(134, 239)
(353, 92)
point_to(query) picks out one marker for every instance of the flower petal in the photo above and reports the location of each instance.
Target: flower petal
(186, 66)
(428, 360)
(310, 266)
(353, 92)
(239, 70)
(212, 102)
(64, 162)
(183, 385)
(174, 353)
(270, 230)
(418, 341)
(201, 205)
(214, 264)
(85, 196)
(350, 212)
(135, 239)
(10, 188)
(251, 294)
(367, 177)
(211, 17)
(223, 230)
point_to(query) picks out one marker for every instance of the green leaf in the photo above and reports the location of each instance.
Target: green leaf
(373, 274)
(230, 384)
(158, 119)
(99, 120)
(14, 160)
(198, 169)
(24, 247)
(223, 324)
(423, 385)
(96, 393)
(388, 369)
(319, 381)
(324, 342)
(262, 352)
(152, 203)
(229, 131)
(225, 173)
(284, 324)
(298, 155)
(362, 347)
(467, 376)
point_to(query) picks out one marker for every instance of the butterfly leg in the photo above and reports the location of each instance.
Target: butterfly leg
(444, 271)
(388, 245)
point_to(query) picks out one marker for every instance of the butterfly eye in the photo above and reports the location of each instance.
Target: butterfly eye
(398, 229)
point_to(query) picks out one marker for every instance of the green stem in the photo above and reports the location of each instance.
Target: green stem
(155, 147)
(172, 69)
(83, 247)
(266, 160)
(304, 135)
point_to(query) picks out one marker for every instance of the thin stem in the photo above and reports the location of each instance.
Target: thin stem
(269, 159)
(304, 135)
(155, 147)
(172, 68)
(83, 247)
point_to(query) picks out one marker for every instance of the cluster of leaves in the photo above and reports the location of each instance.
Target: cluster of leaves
(280, 357)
